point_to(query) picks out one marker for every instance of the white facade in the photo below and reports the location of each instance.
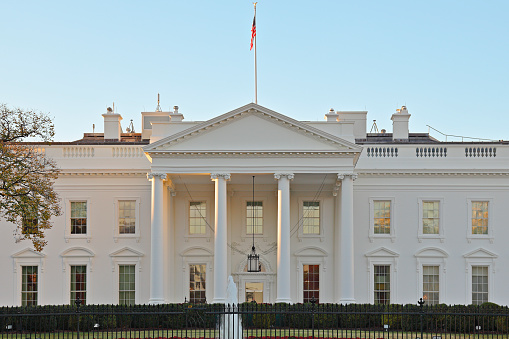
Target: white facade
(321, 187)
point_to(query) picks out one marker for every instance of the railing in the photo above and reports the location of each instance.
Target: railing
(382, 151)
(78, 152)
(255, 321)
(431, 152)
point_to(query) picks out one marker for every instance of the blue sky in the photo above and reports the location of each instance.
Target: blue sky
(447, 61)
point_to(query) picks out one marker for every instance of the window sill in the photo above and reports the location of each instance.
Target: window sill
(118, 237)
(197, 236)
(78, 236)
(422, 237)
(480, 237)
(372, 237)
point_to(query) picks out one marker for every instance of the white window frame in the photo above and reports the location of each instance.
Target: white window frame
(312, 256)
(197, 256)
(126, 256)
(491, 234)
(372, 236)
(301, 234)
(383, 256)
(68, 234)
(480, 257)
(136, 235)
(208, 217)
(27, 257)
(244, 201)
(76, 256)
(441, 229)
(432, 256)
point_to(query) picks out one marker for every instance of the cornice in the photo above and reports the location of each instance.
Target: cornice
(429, 173)
(142, 174)
(251, 154)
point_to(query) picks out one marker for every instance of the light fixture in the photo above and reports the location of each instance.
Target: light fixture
(253, 259)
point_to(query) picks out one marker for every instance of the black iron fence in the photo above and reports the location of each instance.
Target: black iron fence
(264, 321)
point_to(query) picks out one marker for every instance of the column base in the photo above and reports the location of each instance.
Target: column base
(156, 301)
(285, 300)
(347, 301)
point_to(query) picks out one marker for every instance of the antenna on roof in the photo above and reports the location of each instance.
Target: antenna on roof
(158, 108)
(374, 127)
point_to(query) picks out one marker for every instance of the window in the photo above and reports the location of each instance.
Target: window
(382, 279)
(479, 217)
(197, 217)
(430, 217)
(126, 216)
(431, 284)
(79, 284)
(311, 283)
(382, 217)
(30, 225)
(479, 284)
(78, 217)
(311, 217)
(29, 289)
(254, 217)
(197, 284)
(126, 284)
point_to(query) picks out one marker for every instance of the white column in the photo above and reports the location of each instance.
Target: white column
(347, 251)
(156, 240)
(283, 237)
(220, 238)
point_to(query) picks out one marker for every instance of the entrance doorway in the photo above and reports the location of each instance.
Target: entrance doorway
(254, 292)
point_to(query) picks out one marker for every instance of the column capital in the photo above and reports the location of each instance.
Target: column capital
(278, 176)
(225, 176)
(342, 176)
(159, 175)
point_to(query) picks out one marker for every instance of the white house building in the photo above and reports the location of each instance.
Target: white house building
(338, 214)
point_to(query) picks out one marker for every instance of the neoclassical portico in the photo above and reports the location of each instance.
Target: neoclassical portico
(253, 140)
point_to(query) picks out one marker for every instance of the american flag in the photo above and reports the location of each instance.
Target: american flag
(253, 32)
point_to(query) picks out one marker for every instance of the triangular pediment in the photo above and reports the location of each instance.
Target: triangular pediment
(431, 252)
(480, 253)
(28, 253)
(382, 252)
(252, 128)
(126, 252)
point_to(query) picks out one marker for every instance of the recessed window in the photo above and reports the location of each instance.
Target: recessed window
(311, 283)
(382, 284)
(382, 217)
(29, 287)
(431, 284)
(479, 284)
(430, 217)
(479, 217)
(78, 217)
(126, 284)
(197, 279)
(126, 216)
(197, 217)
(78, 284)
(254, 217)
(311, 217)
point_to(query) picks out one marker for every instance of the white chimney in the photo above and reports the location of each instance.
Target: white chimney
(400, 124)
(359, 119)
(112, 129)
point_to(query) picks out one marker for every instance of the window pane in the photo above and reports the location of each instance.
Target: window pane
(29, 288)
(382, 217)
(311, 217)
(197, 217)
(197, 284)
(382, 284)
(311, 283)
(78, 217)
(430, 288)
(479, 217)
(254, 217)
(430, 217)
(479, 284)
(78, 284)
(126, 216)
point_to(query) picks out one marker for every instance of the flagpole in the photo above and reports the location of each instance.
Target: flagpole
(256, 80)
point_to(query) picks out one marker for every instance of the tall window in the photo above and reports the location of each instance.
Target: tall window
(311, 217)
(126, 216)
(479, 284)
(254, 217)
(479, 217)
(382, 280)
(78, 217)
(311, 283)
(29, 288)
(430, 217)
(197, 217)
(431, 284)
(197, 284)
(382, 215)
(79, 283)
(126, 284)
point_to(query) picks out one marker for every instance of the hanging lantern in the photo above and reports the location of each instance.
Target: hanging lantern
(253, 259)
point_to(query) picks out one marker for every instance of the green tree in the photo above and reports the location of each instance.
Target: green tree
(27, 195)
